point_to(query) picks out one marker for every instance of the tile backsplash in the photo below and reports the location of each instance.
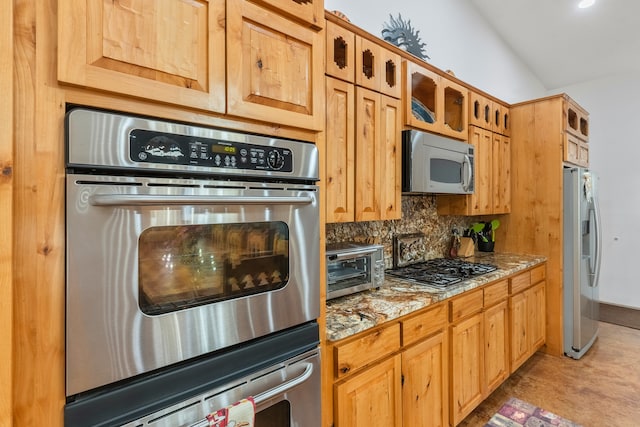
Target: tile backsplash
(419, 215)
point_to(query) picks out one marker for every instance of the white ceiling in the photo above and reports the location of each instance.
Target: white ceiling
(562, 44)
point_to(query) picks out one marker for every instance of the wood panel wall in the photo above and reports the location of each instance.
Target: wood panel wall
(6, 213)
(535, 223)
(38, 283)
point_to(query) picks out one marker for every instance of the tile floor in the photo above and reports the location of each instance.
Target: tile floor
(601, 390)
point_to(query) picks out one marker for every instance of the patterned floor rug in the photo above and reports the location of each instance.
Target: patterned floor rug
(516, 413)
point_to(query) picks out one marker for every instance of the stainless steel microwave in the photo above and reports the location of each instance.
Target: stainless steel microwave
(436, 164)
(353, 267)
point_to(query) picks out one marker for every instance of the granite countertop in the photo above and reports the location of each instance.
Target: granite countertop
(355, 313)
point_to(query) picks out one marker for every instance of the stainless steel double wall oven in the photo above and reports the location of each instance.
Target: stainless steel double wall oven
(192, 265)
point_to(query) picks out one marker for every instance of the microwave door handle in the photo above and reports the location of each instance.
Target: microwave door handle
(149, 200)
(467, 179)
(268, 394)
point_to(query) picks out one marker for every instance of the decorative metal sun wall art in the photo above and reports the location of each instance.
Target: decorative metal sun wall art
(402, 34)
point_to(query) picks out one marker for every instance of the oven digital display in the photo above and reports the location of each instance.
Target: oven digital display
(165, 148)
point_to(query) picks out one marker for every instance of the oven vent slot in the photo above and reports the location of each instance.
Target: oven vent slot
(231, 187)
(267, 188)
(130, 184)
(152, 184)
(298, 189)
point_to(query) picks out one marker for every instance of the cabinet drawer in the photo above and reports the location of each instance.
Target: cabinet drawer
(466, 305)
(538, 274)
(371, 346)
(496, 292)
(520, 282)
(424, 324)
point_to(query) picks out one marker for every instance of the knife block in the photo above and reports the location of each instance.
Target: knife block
(466, 248)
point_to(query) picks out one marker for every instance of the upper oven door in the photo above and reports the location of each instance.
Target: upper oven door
(161, 270)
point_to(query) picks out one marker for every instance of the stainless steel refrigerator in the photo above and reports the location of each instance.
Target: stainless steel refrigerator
(582, 254)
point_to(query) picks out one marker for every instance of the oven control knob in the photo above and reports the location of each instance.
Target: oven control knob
(275, 159)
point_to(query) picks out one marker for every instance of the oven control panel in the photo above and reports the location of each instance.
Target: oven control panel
(172, 149)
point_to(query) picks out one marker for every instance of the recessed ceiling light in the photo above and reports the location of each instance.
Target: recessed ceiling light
(586, 3)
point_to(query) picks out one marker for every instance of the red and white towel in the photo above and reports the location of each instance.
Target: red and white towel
(240, 414)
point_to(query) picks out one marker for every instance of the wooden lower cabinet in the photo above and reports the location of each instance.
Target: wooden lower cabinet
(467, 362)
(479, 347)
(424, 383)
(496, 345)
(433, 368)
(371, 398)
(527, 309)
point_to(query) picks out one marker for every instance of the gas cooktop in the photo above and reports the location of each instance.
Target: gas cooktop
(441, 272)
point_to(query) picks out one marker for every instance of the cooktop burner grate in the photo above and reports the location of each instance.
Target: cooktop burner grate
(441, 272)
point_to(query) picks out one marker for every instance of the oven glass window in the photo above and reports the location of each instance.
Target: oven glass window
(188, 265)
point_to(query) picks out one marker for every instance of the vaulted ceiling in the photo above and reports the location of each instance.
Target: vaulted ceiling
(563, 44)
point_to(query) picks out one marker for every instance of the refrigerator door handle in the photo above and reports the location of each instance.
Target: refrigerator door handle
(596, 256)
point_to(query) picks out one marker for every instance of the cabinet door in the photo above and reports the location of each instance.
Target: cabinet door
(424, 384)
(482, 199)
(537, 320)
(467, 354)
(390, 180)
(368, 58)
(165, 50)
(274, 68)
(340, 159)
(576, 151)
(496, 341)
(371, 398)
(455, 101)
(519, 330)
(480, 110)
(422, 97)
(501, 173)
(368, 155)
(340, 57)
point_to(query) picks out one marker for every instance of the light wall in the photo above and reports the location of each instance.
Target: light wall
(458, 38)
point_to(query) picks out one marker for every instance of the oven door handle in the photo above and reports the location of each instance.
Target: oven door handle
(150, 200)
(268, 394)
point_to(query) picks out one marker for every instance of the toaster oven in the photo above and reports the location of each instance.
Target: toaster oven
(353, 267)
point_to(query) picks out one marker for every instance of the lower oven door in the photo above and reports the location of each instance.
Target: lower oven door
(161, 270)
(285, 395)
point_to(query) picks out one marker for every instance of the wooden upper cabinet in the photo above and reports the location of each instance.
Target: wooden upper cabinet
(378, 156)
(501, 173)
(576, 119)
(274, 68)
(340, 57)
(489, 114)
(455, 100)
(480, 111)
(390, 181)
(308, 12)
(501, 119)
(434, 103)
(340, 159)
(576, 139)
(166, 50)
(377, 68)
